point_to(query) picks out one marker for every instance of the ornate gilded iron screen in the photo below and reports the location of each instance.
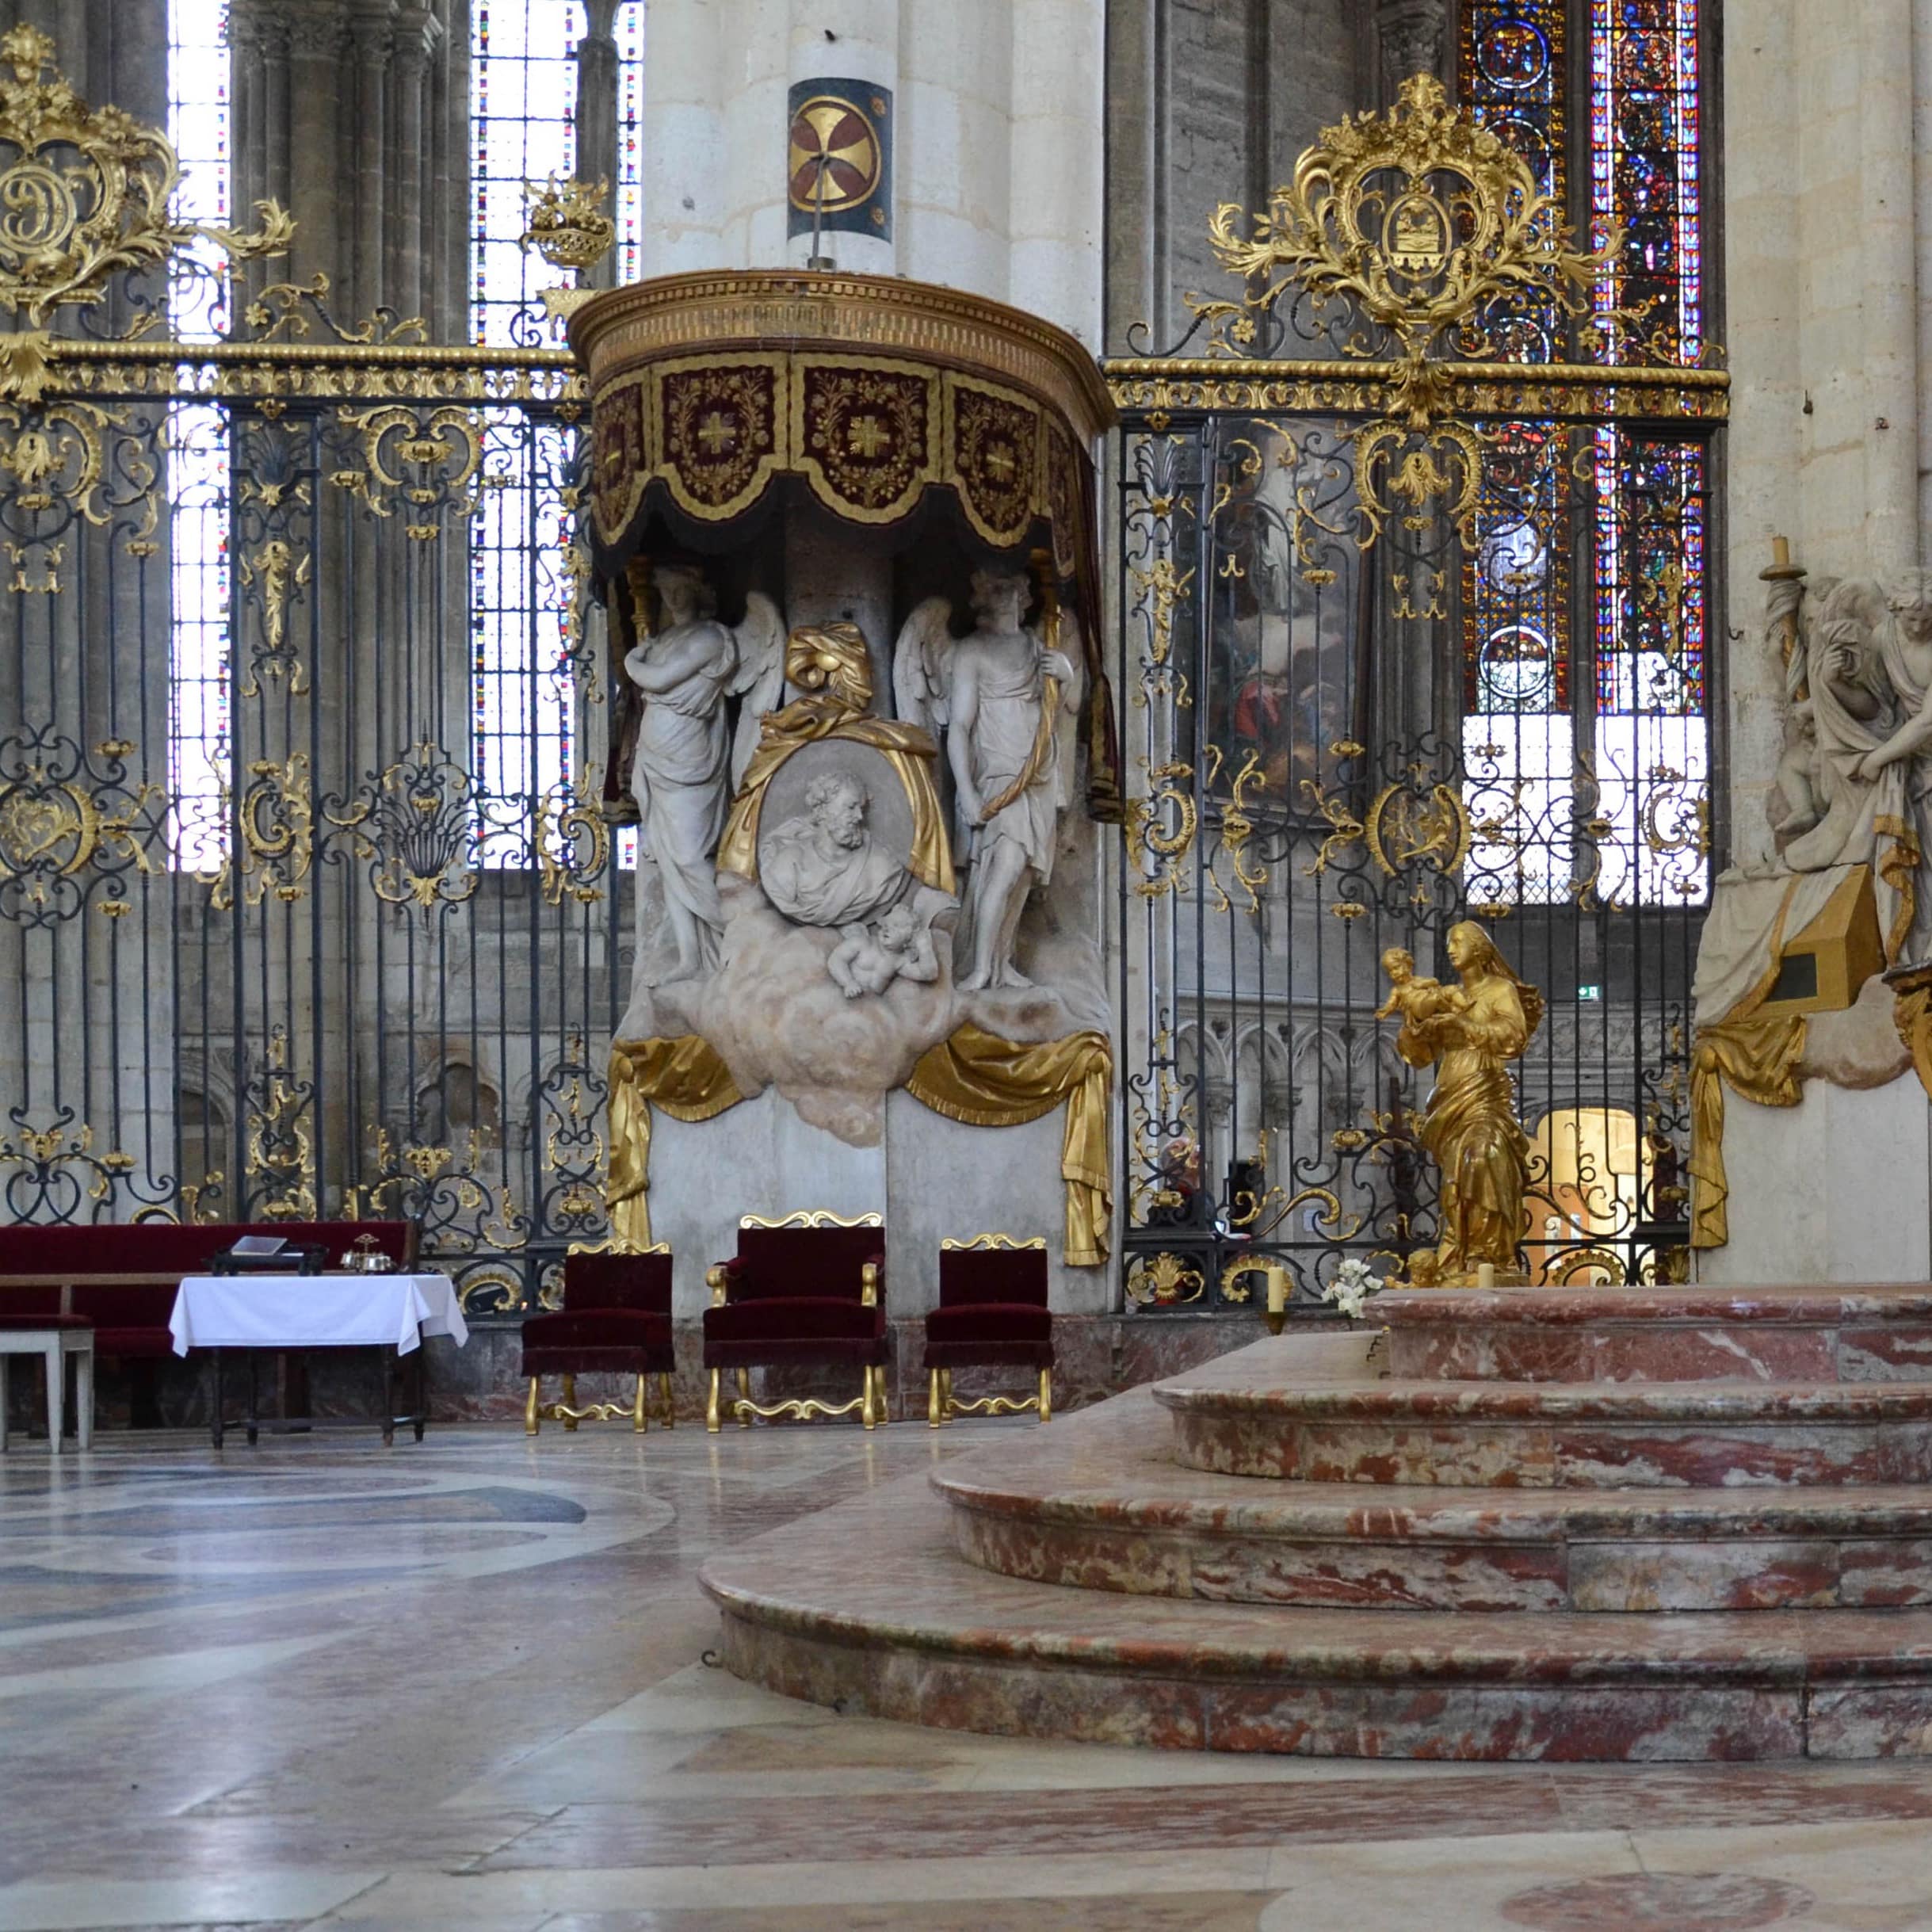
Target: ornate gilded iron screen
(301, 910)
(1412, 566)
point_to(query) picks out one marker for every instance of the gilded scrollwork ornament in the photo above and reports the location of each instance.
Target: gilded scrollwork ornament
(275, 822)
(279, 1151)
(86, 195)
(416, 823)
(74, 827)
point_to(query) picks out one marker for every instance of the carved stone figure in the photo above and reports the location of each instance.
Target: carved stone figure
(822, 867)
(869, 958)
(1005, 697)
(683, 771)
(1470, 1033)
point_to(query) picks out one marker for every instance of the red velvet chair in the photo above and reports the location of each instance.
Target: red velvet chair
(992, 1312)
(806, 1290)
(616, 1320)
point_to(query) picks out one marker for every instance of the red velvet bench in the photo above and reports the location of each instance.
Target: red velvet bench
(122, 1276)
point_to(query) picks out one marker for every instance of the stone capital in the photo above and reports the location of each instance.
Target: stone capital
(418, 33)
(1412, 34)
(317, 30)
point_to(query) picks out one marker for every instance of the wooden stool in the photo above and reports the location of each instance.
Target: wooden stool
(53, 1338)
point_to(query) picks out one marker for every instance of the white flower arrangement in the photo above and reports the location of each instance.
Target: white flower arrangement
(1354, 1282)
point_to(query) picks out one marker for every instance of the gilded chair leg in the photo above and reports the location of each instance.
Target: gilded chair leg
(1046, 1395)
(867, 1414)
(744, 1394)
(945, 1394)
(639, 1422)
(570, 1402)
(533, 1415)
(711, 1404)
(932, 1399)
(665, 1396)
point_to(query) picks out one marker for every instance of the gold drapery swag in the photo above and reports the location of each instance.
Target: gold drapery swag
(1759, 1054)
(979, 1078)
(974, 1077)
(685, 1076)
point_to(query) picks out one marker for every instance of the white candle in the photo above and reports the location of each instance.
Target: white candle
(1485, 1274)
(1278, 1288)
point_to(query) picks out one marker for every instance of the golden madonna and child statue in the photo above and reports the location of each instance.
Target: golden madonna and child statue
(1469, 1031)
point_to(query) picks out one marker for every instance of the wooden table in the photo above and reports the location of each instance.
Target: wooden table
(389, 1312)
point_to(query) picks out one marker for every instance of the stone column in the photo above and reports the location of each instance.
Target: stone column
(1827, 274)
(596, 116)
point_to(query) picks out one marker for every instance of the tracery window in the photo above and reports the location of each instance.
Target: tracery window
(1584, 672)
(198, 443)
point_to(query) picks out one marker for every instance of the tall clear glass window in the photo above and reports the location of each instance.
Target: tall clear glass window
(523, 107)
(197, 444)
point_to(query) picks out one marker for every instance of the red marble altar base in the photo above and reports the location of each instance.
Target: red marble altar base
(1717, 1552)
(1660, 1335)
(1103, 1508)
(1548, 1435)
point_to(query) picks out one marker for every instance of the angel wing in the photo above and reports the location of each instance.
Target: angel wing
(1067, 725)
(922, 666)
(759, 679)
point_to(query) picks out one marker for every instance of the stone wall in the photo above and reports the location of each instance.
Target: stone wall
(1211, 101)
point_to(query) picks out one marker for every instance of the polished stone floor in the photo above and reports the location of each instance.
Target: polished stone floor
(463, 1685)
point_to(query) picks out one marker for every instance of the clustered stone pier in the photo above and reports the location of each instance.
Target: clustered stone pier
(1620, 1524)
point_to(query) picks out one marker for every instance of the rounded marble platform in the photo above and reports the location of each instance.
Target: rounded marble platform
(1281, 1551)
(1551, 1435)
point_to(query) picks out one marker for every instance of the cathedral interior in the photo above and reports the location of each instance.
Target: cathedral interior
(981, 880)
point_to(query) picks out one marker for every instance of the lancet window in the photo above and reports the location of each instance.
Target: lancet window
(198, 445)
(523, 100)
(1585, 667)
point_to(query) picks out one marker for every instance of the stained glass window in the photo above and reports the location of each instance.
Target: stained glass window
(629, 29)
(523, 104)
(1651, 737)
(197, 446)
(1518, 740)
(1629, 746)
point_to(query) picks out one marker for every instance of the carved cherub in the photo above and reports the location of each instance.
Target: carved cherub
(868, 959)
(1410, 998)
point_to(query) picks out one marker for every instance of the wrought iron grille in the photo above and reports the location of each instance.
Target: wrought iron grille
(365, 958)
(1411, 542)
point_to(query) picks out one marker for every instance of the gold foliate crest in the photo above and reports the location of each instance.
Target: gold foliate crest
(1425, 223)
(567, 225)
(84, 196)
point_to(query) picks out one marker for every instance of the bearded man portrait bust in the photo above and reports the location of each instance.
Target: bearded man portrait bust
(821, 867)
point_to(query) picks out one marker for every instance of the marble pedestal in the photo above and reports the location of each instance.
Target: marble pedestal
(1836, 1188)
(931, 1178)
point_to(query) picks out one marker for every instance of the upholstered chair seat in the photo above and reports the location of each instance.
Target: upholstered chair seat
(805, 1292)
(992, 1313)
(616, 1320)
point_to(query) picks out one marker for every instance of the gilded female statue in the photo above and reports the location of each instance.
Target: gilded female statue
(1471, 1032)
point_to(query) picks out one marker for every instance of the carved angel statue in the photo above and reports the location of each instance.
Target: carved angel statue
(1005, 698)
(686, 761)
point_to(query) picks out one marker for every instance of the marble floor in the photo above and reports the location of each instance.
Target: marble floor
(463, 1685)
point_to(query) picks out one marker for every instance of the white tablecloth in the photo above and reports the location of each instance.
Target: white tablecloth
(314, 1311)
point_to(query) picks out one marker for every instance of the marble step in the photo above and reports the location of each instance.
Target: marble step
(1868, 1334)
(870, 1608)
(1645, 1435)
(1104, 1508)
